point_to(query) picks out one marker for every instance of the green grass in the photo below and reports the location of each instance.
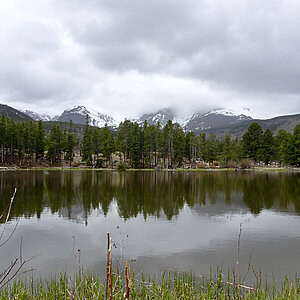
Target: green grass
(171, 286)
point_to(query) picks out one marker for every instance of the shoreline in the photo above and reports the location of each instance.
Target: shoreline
(254, 169)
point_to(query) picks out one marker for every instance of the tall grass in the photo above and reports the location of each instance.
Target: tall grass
(170, 286)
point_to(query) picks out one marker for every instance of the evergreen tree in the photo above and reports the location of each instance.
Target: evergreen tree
(87, 145)
(178, 145)
(70, 144)
(2, 136)
(135, 145)
(280, 142)
(107, 143)
(227, 150)
(147, 145)
(20, 128)
(167, 137)
(96, 142)
(40, 140)
(202, 147)
(190, 146)
(297, 145)
(55, 144)
(268, 146)
(122, 140)
(252, 142)
(212, 148)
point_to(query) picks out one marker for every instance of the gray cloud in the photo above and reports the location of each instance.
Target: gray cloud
(127, 57)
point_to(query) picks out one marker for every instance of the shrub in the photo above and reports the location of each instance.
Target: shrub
(121, 166)
(245, 163)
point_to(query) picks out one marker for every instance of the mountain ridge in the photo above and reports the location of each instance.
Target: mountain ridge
(219, 120)
(11, 112)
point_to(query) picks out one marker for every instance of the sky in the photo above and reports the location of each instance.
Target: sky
(127, 57)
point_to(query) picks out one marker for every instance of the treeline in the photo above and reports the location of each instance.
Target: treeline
(27, 142)
(146, 146)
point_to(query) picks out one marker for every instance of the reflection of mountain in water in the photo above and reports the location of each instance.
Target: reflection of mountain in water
(74, 212)
(75, 194)
(222, 206)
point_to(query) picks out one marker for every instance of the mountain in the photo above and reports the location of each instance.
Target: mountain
(13, 113)
(215, 118)
(78, 115)
(162, 116)
(199, 121)
(287, 123)
(36, 116)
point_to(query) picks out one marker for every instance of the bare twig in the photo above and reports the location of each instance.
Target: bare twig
(249, 267)
(8, 212)
(18, 263)
(11, 275)
(11, 234)
(238, 255)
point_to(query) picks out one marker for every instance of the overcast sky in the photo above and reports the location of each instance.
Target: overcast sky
(127, 57)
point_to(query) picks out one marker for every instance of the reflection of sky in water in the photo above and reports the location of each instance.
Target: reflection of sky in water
(194, 240)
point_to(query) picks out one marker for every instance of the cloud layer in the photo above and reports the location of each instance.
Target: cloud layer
(128, 57)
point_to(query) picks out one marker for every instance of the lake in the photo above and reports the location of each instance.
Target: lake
(188, 221)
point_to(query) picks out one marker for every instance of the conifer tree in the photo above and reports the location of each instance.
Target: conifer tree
(178, 145)
(55, 144)
(252, 142)
(202, 146)
(267, 146)
(297, 145)
(2, 136)
(87, 146)
(212, 148)
(135, 145)
(190, 146)
(227, 149)
(107, 143)
(70, 143)
(40, 140)
(167, 136)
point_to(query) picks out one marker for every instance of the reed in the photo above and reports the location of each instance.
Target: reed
(171, 286)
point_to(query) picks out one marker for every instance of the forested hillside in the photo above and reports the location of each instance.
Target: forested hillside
(15, 114)
(142, 146)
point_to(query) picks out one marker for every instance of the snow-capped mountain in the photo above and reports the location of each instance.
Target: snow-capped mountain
(238, 112)
(78, 115)
(161, 116)
(215, 118)
(36, 116)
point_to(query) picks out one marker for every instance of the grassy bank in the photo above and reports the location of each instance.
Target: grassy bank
(171, 286)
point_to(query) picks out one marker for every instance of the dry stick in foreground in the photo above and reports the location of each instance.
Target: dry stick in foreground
(107, 268)
(127, 275)
(110, 272)
(108, 283)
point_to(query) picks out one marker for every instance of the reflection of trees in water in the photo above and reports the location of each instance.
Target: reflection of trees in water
(147, 193)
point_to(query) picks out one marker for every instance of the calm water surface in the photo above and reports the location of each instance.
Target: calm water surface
(160, 220)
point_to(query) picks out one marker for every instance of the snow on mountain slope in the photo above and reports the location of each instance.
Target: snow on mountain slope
(215, 118)
(243, 111)
(78, 115)
(36, 116)
(161, 116)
